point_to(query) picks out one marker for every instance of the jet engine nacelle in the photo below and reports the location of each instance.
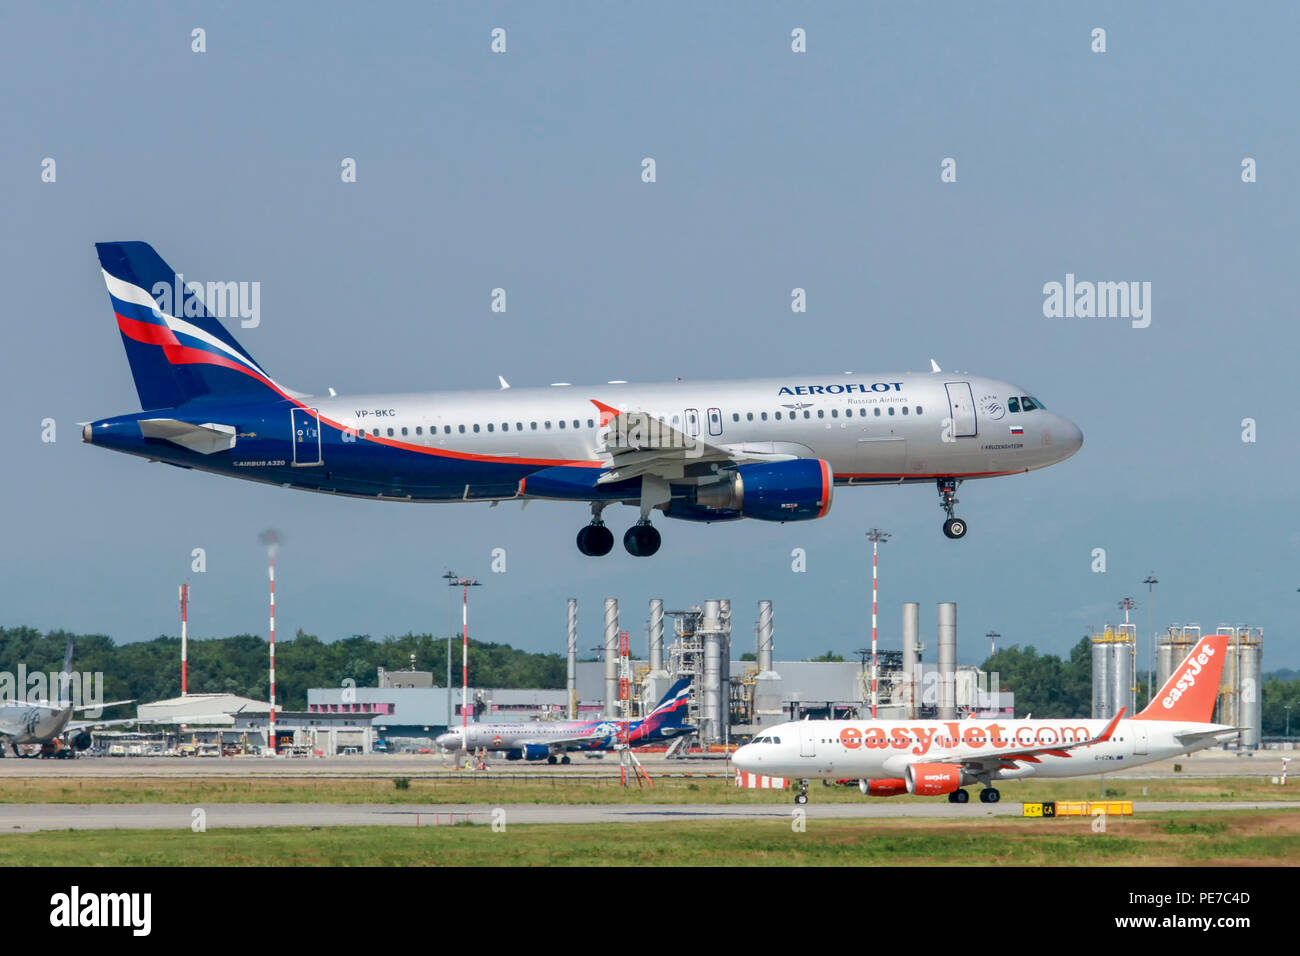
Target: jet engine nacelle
(536, 751)
(933, 779)
(888, 787)
(778, 491)
(82, 741)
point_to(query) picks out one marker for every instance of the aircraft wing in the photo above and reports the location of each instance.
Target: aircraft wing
(639, 443)
(95, 724)
(1006, 759)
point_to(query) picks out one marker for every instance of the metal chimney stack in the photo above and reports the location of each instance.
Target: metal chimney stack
(656, 635)
(947, 661)
(611, 657)
(767, 685)
(710, 703)
(572, 681)
(911, 637)
(763, 652)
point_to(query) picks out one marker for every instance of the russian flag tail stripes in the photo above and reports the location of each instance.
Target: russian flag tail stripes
(178, 351)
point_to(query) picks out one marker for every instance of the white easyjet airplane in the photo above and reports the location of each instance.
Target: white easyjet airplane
(934, 757)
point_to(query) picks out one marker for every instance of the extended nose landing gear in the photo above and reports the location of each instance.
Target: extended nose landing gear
(954, 527)
(802, 796)
(642, 539)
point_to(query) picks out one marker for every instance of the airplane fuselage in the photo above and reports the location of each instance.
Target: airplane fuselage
(477, 445)
(867, 749)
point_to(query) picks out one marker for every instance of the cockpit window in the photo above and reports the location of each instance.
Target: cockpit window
(1013, 404)
(1038, 401)
(1027, 404)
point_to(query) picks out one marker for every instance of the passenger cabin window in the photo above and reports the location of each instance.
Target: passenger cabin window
(877, 411)
(749, 416)
(891, 409)
(591, 423)
(763, 415)
(533, 425)
(778, 416)
(918, 409)
(476, 428)
(462, 429)
(735, 416)
(562, 423)
(821, 413)
(491, 427)
(835, 413)
(390, 433)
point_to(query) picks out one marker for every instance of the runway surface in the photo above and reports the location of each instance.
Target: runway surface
(28, 818)
(1212, 764)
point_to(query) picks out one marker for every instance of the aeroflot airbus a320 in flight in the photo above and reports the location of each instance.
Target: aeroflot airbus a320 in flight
(934, 757)
(770, 449)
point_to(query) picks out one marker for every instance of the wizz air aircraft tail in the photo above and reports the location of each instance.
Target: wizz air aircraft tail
(936, 757)
(767, 449)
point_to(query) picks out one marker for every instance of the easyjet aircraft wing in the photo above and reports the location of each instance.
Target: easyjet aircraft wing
(1004, 759)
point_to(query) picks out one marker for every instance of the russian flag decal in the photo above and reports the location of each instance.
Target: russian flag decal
(1017, 430)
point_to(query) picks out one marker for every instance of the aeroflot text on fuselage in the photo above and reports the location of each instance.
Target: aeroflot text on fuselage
(922, 738)
(838, 389)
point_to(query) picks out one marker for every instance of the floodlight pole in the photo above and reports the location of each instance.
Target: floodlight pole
(876, 536)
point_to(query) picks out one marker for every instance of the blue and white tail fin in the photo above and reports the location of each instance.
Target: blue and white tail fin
(673, 708)
(178, 351)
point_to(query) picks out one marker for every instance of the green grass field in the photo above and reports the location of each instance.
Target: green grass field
(1184, 839)
(520, 789)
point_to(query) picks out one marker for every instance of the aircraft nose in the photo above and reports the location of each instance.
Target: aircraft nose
(742, 757)
(1071, 435)
(449, 741)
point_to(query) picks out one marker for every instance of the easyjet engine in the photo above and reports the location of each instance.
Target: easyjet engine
(934, 779)
(890, 787)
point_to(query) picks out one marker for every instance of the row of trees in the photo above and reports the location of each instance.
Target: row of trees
(150, 670)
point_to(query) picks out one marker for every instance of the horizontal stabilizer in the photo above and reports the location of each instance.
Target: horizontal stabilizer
(205, 439)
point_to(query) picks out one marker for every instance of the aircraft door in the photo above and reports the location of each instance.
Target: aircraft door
(1139, 737)
(305, 436)
(715, 421)
(807, 739)
(961, 405)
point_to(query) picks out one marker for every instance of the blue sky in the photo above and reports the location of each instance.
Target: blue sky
(775, 170)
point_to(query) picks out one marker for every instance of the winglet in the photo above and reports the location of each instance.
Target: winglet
(504, 383)
(934, 366)
(607, 412)
(1110, 728)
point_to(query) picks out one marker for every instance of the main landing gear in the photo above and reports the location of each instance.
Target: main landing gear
(642, 539)
(987, 795)
(802, 796)
(954, 527)
(595, 540)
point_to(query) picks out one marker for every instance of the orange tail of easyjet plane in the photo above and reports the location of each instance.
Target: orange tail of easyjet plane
(1189, 693)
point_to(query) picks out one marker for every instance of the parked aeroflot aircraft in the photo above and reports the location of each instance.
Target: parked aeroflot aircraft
(535, 740)
(934, 757)
(770, 449)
